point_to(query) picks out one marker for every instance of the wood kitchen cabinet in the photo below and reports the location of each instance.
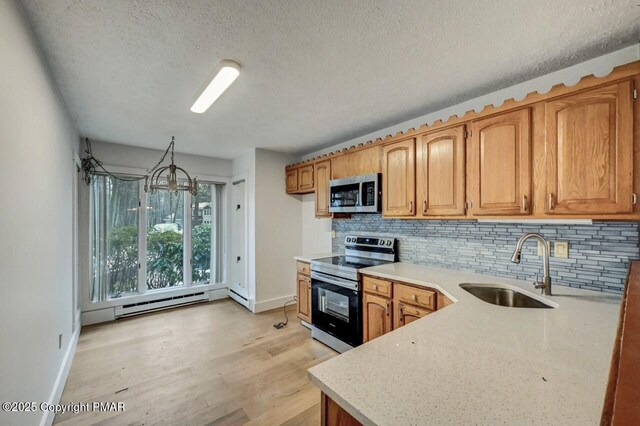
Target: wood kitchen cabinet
(322, 176)
(376, 316)
(399, 179)
(303, 291)
(389, 305)
(305, 178)
(499, 165)
(406, 313)
(331, 414)
(589, 152)
(292, 180)
(377, 312)
(299, 180)
(440, 173)
(572, 152)
(362, 162)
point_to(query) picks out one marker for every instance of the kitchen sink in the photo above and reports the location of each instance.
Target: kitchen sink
(503, 296)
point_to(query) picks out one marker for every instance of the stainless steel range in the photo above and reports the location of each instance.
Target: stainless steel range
(336, 291)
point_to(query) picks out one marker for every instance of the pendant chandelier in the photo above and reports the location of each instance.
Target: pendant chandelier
(170, 183)
(153, 180)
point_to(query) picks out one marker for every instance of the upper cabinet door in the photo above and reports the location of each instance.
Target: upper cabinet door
(398, 179)
(305, 178)
(322, 178)
(589, 151)
(292, 180)
(500, 165)
(440, 168)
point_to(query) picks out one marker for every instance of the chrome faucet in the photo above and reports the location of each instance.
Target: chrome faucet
(545, 285)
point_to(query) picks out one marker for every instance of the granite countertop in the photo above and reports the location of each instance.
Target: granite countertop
(477, 363)
(309, 258)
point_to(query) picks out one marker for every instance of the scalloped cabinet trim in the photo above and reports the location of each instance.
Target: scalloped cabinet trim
(529, 157)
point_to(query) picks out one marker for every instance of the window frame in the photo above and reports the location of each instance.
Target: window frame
(188, 286)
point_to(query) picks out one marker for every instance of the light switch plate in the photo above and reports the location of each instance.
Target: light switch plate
(540, 249)
(333, 234)
(561, 249)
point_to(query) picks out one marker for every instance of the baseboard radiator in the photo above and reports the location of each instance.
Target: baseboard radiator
(160, 304)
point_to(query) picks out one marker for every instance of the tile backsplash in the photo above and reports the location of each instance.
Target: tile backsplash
(599, 253)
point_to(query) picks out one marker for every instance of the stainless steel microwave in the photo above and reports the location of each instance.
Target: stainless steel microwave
(358, 194)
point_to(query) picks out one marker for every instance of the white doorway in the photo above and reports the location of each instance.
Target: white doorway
(238, 260)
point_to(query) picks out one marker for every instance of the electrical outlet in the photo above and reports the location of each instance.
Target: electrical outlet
(561, 249)
(541, 249)
(333, 234)
(59, 341)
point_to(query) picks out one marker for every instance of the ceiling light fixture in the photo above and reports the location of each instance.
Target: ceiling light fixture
(225, 73)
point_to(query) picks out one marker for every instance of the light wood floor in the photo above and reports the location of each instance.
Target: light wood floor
(213, 363)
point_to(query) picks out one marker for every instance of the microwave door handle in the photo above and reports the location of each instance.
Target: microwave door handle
(359, 200)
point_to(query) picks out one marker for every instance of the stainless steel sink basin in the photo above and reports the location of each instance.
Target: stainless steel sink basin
(503, 296)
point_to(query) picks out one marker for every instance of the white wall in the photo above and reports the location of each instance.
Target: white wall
(37, 141)
(278, 231)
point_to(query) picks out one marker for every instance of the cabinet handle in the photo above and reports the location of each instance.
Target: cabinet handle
(550, 201)
(424, 209)
(410, 206)
(524, 203)
(414, 297)
(401, 315)
(388, 309)
(375, 287)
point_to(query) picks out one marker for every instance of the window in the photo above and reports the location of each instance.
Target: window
(114, 237)
(178, 241)
(165, 239)
(201, 234)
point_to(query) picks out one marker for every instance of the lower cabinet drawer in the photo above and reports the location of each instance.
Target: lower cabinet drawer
(406, 314)
(419, 297)
(304, 268)
(377, 286)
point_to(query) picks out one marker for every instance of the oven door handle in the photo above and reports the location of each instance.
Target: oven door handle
(334, 280)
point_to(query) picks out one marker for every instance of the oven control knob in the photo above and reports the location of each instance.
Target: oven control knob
(380, 242)
(389, 242)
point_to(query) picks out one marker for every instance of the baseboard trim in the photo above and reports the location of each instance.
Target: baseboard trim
(63, 374)
(247, 303)
(267, 305)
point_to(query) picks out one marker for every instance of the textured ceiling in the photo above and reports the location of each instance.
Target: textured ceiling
(314, 73)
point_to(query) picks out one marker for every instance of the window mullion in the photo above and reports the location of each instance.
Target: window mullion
(142, 239)
(187, 229)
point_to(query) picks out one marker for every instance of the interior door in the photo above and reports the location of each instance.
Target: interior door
(589, 148)
(238, 268)
(500, 164)
(440, 174)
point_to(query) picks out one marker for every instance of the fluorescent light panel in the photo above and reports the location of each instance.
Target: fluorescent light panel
(225, 74)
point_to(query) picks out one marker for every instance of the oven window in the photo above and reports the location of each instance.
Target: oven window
(334, 304)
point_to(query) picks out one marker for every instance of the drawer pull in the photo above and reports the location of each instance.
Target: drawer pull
(414, 297)
(375, 287)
